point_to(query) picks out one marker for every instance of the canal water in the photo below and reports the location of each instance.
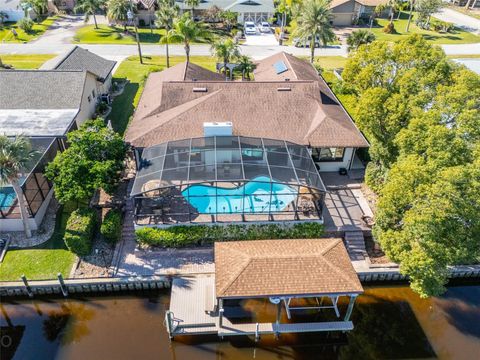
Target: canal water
(390, 323)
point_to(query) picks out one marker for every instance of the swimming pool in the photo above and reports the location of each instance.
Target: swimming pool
(7, 198)
(252, 197)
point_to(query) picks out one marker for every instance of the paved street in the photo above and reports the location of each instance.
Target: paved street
(466, 22)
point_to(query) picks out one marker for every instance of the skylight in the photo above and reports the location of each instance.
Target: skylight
(280, 67)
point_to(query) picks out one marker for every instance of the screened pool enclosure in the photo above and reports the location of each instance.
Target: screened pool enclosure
(226, 178)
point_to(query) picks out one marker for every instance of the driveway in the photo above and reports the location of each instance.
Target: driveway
(61, 32)
(261, 39)
(463, 21)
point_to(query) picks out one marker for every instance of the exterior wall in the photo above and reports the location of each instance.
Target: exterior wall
(329, 166)
(17, 224)
(343, 14)
(87, 108)
(103, 88)
(146, 15)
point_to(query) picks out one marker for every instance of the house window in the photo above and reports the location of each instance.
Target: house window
(93, 93)
(89, 98)
(328, 154)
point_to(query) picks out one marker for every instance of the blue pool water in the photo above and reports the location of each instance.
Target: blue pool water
(257, 197)
(7, 197)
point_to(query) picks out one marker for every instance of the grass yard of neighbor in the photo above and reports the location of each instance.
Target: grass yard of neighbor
(30, 61)
(44, 261)
(470, 12)
(457, 36)
(136, 73)
(38, 29)
(116, 35)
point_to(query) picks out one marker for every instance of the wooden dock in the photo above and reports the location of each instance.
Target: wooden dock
(192, 312)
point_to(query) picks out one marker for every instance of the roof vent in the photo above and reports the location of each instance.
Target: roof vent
(199, 89)
(284, 89)
(287, 79)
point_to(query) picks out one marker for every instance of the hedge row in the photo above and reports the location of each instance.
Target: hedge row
(180, 236)
(80, 230)
(112, 226)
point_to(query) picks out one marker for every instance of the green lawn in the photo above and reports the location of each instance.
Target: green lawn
(115, 35)
(330, 62)
(458, 36)
(473, 56)
(44, 261)
(31, 61)
(131, 69)
(38, 29)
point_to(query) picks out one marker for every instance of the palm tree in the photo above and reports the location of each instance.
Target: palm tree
(187, 31)
(359, 37)
(410, 14)
(225, 50)
(313, 22)
(117, 11)
(229, 19)
(165, 14)
(14, 155)
(193, 4)
(246, 65)
(89, 8)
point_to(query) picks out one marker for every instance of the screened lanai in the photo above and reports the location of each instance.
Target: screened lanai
(226, 178)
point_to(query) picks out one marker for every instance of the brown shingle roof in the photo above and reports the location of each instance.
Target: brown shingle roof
(283, 267)
(306, 111)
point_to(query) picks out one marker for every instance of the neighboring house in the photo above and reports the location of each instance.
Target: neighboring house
(81, 59)
(146, 11)
(64, 5)
(247, 10)
(347, 12)
(265, 138)
(14, 10)
(44, 106)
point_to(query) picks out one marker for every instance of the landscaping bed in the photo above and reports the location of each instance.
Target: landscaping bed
(198, 235)
(38, 29)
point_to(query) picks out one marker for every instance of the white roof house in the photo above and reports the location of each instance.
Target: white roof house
(247, 10)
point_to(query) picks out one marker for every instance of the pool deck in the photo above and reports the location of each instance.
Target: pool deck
(192, 312)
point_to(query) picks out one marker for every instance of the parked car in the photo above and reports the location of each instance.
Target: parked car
(265, 27)
(306, 42)
(250, 28)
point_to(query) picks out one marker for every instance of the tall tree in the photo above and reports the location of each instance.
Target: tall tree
(117, 11)
(410, 14)
(229, 19)
(187, 31)
(167, 11)
(94, 160)
(225, 50)
(193, 4)
(359, 37)
(425, 10)
(89, 8)
(3, 17)
(313, 22)
(39, 6)
(15, 154)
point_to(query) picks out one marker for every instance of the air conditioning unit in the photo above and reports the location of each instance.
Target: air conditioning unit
(217, 128)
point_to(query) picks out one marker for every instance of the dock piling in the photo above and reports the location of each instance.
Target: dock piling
(63, 287)
(27, 287)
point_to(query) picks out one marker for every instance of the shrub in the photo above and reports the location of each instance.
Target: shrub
(181, 236)
(389, 28)
(141, 23)
(102, 107)
(112, 226)
(26, 24)
(80, 230)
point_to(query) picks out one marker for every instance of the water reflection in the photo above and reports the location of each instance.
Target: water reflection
(390, 323)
